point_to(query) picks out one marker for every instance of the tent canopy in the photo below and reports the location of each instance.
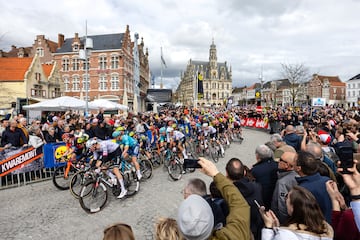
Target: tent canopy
(107, 105)
(58, 104)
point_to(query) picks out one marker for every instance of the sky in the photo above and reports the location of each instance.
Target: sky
(252, 36)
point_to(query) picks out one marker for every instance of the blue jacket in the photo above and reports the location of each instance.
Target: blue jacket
(293, 140)
(316, 185)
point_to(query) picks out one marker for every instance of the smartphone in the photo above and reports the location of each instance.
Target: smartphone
(191, 163)
(257, 204)
(346, 157)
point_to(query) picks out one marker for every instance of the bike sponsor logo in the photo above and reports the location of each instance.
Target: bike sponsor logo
(19, 160)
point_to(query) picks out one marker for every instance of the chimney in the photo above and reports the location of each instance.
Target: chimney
(60, 40)
(13, 47)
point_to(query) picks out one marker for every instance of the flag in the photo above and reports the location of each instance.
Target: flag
(200, 86)
(163, 61)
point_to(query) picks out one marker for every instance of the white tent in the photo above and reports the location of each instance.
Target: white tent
(107, 105)
(58, 104)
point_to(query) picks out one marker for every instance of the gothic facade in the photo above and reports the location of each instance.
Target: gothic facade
(216, 82)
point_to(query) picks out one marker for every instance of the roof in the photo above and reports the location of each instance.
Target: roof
(331, 79)
(14, 69)
(47, 69)
(339, 84)
(15, 51)
(206, 68)
(100, 42)
(238, 89)
(52, 45)
(357, 77)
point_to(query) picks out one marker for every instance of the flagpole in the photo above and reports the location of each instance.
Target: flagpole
(161, 70)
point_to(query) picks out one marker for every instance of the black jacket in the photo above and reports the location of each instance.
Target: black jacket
(13, 137)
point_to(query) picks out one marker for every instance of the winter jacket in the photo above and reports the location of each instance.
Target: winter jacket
(292, 233)
(265, 173)
(344, 225)
(316, 185)
(252, 191)
(286, 180)
(293, 140)
(238, 220)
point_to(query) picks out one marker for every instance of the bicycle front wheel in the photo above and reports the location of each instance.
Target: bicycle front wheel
(175, 169)
(59, 179)
(156, 159)
(146, 168)
(93, 196)
(77, 182)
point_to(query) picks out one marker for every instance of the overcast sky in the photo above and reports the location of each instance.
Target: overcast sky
(250, 35)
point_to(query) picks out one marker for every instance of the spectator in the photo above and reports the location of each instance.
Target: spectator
(251, 191)
(88, 130)
(286, 181)
(280, 145)
(265, 172)
(306, 220)
(195, 219)
(100, 115)
(22, 125)
(307, 167)
(36, 139)
(342, 218)
(50, 136)
(291, 138)
(198, 186)
(167, 229)
(99, 129)
(119, 231)
(12, 136)
(3, 126)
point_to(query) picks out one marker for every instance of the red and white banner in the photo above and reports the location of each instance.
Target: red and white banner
(255, 123)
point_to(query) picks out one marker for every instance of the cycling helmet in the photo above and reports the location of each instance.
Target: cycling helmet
(121, 128)
(205, 125)
(131, 134)
(91, 142)
(162, 130)
(169, 129)
(116, 134)
(66, 135)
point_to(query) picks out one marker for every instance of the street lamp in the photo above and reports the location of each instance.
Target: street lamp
(83, 55)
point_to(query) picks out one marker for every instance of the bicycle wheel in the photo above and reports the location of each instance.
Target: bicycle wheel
(131, 183)
(175, 169)
(78, 181)
(59, 179)
(146, 168)
(156, 159)
(93, 196)
(214, 154)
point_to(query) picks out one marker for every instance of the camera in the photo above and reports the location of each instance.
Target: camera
(191, 163)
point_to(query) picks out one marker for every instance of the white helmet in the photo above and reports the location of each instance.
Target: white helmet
(205, 125)
(169, 129)
(91, 142)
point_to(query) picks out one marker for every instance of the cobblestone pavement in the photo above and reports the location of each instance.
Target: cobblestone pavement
(40, 211)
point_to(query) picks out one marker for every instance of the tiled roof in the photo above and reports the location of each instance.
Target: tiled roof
(52, 45)
(357, 77)
(340, 84)
(101, 42)
(14, 69)
(14, 52)
(47, 69)
(330, 78)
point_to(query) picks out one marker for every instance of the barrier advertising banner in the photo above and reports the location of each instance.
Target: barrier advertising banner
(255, 123)
(18, 158)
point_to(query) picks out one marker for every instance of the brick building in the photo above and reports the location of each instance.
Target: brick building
(329, 87)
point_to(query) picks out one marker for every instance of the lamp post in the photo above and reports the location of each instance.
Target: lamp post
(83, 55)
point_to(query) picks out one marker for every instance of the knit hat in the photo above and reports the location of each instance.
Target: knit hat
(324, 136)
(195, 218)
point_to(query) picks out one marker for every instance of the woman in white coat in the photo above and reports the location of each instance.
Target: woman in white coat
(306, 220)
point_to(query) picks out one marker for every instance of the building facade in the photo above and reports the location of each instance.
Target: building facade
(110, 67)
(26, 80)
(329, 87)
(353, 91)
(216, 81)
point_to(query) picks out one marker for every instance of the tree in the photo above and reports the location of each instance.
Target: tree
(297, 74)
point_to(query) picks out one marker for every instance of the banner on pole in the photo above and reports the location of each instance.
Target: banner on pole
(200, 86)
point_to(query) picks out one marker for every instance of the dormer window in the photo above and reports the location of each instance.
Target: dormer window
(76, 47)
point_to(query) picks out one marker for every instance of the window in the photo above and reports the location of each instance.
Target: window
(222, 94)
(76, 64)
(37, 76)
(86, 82)
(102, 62)
(227, 86)
(353, 93)
(75, 83)
(334, 90)
(114, 62)
(76, 47)
(40, 51)
(114, 82)
(102, 82)
(66, 84)
(349, 85)
(206, 86)
(358, 85)
(86, 64)
(65, 64)
(222, 86)
(353, 85)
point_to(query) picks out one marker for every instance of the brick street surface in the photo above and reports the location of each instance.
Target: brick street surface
(40, 211)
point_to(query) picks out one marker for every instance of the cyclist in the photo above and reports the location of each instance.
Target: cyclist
(105, 151)
(68, 139)
(212, 133)
(131, 148)
(177, 139)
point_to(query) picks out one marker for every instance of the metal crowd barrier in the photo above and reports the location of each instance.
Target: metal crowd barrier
(25, 178)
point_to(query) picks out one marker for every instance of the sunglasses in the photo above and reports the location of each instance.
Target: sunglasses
(282, 160)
